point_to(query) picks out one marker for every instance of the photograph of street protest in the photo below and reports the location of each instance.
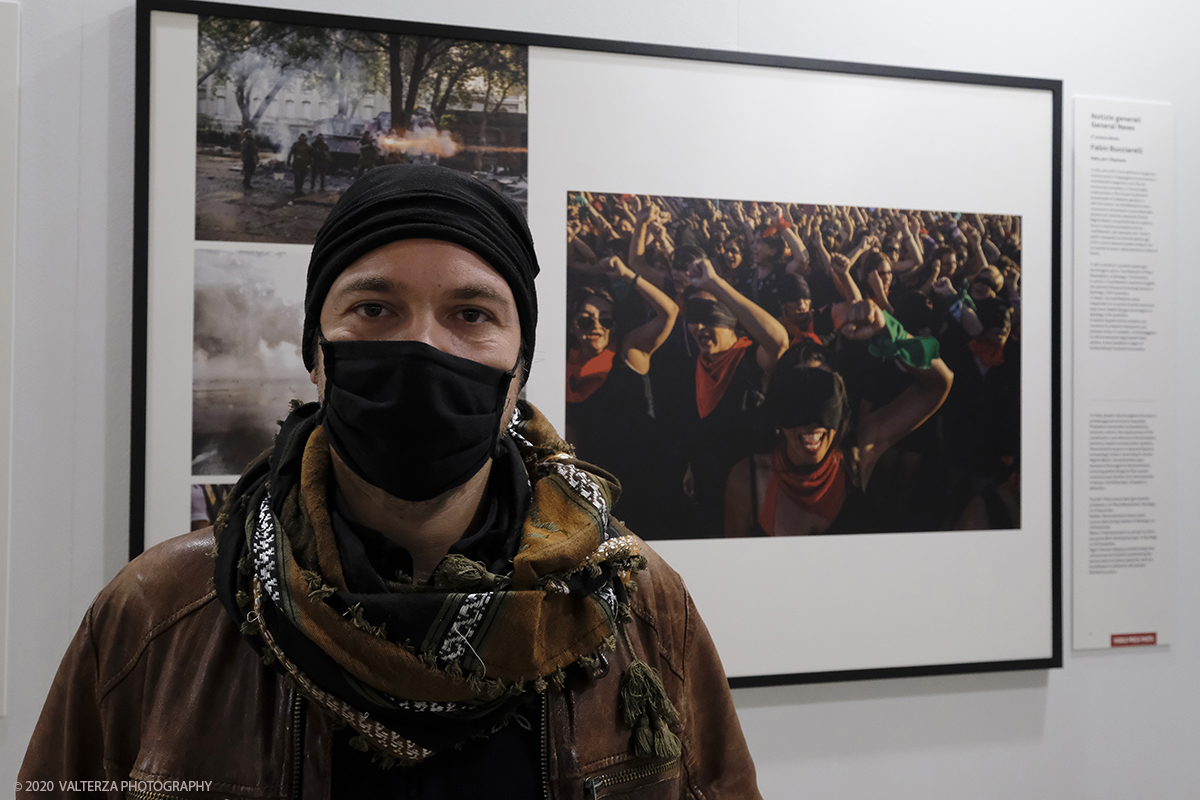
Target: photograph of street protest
(780, 369)
(289, 115)
(246, 360)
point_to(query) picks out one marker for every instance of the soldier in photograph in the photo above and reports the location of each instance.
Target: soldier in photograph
(368, 154)
(249, 157)
(320, 162)
(299, 158)
(417, 590)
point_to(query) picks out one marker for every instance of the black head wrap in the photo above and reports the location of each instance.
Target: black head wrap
(912, 310)
(410, 201)
(792, 288)
(703, 311)
(686, 255)
(993, 312)
(806, 396)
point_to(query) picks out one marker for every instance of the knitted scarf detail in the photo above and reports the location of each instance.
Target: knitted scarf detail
(421, 668)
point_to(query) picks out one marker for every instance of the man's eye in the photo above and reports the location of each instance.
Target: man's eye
(473, 315)
(370, 309)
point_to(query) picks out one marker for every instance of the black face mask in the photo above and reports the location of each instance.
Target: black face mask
(408, 418)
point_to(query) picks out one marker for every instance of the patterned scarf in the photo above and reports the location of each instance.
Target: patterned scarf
(820, 491)
(418, 668)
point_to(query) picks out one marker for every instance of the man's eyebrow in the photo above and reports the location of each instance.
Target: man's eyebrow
(478, 291)
(367, 283)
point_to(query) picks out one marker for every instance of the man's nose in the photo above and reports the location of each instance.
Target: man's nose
(422, 327)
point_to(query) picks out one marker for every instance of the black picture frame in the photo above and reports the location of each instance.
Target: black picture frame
(1048, 648)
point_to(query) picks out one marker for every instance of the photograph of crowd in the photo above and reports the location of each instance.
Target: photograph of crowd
(289, 115)
(776, 369)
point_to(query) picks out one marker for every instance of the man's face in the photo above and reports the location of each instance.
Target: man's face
(427, 291)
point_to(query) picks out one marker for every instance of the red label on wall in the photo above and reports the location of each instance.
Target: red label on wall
(1134, 639)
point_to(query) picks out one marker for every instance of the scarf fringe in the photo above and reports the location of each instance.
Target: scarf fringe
(643, 702)
(457, 572)
(355, 614)
(317, 588)
(647, 709)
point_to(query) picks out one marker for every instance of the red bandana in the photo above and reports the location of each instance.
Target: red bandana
(713, 377)
(796, 333)
(820, 491)
(586, 375)
(989, 354)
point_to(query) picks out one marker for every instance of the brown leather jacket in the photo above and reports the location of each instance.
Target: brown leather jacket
(158, 685)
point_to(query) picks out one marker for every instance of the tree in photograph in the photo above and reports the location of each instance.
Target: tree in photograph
(246, 52)
(448, 83)
(504, 73)
(440, 73)
(421, 56)
(352, 65)
(409, 60)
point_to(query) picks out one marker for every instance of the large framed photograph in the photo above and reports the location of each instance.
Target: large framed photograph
(807, 312)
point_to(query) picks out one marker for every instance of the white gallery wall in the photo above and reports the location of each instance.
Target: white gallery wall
(1122, 724)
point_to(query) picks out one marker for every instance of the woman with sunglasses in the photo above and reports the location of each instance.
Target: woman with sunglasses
(610, 407)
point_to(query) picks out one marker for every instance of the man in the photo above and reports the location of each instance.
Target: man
(298, 158)
(249, 157)
(320, 162)
(417, 592)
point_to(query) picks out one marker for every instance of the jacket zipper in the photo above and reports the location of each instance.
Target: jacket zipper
(595, 783)
(297, 757)
(297, 744)
(545, 746)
